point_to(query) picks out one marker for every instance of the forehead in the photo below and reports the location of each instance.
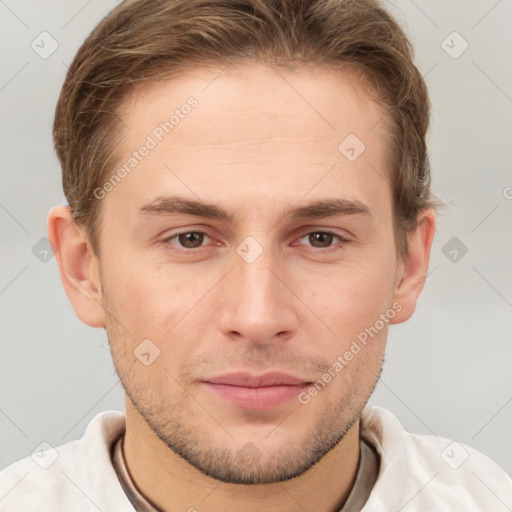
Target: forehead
(253, 128)
(258, 99)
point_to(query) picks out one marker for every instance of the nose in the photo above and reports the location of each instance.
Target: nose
(258, 306)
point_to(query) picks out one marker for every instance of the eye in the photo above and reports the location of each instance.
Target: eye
(187, 239)
(324, 239)
(321, 240)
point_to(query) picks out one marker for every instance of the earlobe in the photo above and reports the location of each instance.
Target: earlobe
(78, 266)
(413, 268)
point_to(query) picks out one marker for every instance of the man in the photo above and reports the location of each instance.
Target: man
(249, 210)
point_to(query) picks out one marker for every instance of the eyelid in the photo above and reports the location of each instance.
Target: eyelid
(343, 234)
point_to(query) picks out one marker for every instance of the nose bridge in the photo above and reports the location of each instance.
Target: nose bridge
(258, 307)
(253, 270)
(258, 284)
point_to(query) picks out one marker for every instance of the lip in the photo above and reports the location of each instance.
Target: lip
(256, 392)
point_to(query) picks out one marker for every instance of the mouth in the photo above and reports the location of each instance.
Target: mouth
(256, 392)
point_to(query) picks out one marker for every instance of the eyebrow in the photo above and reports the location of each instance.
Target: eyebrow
(175, 205)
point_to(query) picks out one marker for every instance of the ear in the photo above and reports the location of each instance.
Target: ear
(78, 266)
(413, 267)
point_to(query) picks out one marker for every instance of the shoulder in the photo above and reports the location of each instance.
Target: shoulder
(66, 477)
(422, 472)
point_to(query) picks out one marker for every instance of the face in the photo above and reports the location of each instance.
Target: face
(257, 261)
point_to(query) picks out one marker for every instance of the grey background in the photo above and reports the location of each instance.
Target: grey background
(447, 371)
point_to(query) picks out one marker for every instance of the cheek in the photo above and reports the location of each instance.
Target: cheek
(144, 294)
(169, 308)
(351, 299)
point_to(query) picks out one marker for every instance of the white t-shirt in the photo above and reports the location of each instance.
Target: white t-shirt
(416, 473)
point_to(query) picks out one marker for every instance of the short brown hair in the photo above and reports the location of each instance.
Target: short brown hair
(143, 40)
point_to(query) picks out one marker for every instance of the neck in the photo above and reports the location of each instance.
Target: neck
(172, 484)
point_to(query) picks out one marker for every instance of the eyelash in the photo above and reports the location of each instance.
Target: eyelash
(328, 250)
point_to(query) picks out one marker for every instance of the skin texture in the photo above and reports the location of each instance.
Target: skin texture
(259, 141)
